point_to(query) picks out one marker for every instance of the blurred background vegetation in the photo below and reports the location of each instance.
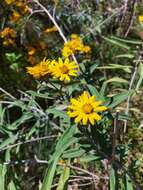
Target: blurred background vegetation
(114, 32)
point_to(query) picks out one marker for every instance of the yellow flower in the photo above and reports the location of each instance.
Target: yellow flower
(62, 161)
(85, 109)
(31, 50)
(74, 45)
(8, 42)
(15, 16)
(9, 1)
(40, 69)
(8, 35)
(67, 51)
(141, 18)
(24, 8)
(8, 32)
(52, 29)
(64, 70)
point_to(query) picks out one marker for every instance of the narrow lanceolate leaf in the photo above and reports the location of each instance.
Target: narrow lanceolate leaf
(140, 71)
(2, 176)
(8, 141)
(63, 178)
(115, 80)
(117, 43)
(95, 92)
(73, 153)
(112, 178)
(130, 56)
(127, 41)
(11, 186)
(128, 185)
(119, 98)
(64, 142)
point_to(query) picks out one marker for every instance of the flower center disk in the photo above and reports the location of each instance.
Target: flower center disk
(64, 69)
(87, 108)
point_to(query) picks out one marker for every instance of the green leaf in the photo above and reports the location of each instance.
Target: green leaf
(127, 41)
(119, 98)
(128, 185)
(2, 115)
(73, 153)
(126, 68)
(95, 92)
(112, 178)
(25, 117)
(65, 141)
(114, 79)
(2, 176)
(40, 95)
(14, 66)
(11, 186)
(130, 56)
(63, 178)
(12, 57)
(140, 70)
(89, 158)
(117, 43)
(8, 141)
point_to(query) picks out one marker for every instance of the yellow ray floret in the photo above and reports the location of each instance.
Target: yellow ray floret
(52, 29)
(40, 69)
(74, 45)
(64, 70)
(85, 108)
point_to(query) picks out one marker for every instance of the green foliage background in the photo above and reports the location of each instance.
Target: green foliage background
(40, 147)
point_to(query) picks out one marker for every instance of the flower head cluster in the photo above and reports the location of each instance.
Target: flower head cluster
(85, 109)
(64, 70)
(15, 16)
(33, 52)
(141, 18)
(40, 69)
(74, 45)
(9, 2)
(8, 35)
(21, 9)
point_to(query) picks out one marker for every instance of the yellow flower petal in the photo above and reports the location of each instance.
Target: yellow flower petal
(85, 109)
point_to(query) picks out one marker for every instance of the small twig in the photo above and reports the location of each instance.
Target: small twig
(114, 136)
(81, 170)
(7, 93)
(124, 10)
(28, 141)
(130, 87)
(52, 19)
(56, 25)
(75, 180)
(131, 18)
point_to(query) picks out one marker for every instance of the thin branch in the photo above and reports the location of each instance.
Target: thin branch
(52, 19)
(130, 87)
(75, 180)
(131, 18)
(56, 25)
(28, 141)
(114, 136)
(81, 170)
(7, 93)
